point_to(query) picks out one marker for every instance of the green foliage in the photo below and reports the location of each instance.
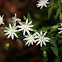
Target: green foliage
(59, 4)
(58, 12)
(20, 35)
(24, 18)
(29, 17)
(49, 12)
(3, 28)
(54, 47)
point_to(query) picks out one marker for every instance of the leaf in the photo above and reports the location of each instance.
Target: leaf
(53, 43)
(59, 4)
(54, 47)
(3, 28)
(51, 3)
(49, 12)
(55, 50)
(44, 28)
(24, 18)
(20, 35)
(29, 17)
(58, 12)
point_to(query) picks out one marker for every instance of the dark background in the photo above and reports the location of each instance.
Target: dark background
(17, 52)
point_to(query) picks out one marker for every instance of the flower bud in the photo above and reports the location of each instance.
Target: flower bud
(44, 53)
(7, 45)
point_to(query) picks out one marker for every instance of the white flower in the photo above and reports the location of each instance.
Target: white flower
(15, 19)
(11, 31)
(26, 27)
(30, 39)
(41, 38)
(1, 20)
(60, 29)
(42, 3)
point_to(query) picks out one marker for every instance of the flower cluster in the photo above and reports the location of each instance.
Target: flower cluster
(26, 28)
(42, 3)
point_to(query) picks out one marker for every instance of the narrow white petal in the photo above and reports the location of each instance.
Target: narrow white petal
(30, 29)
(59, 28)
(45, 5)
(31, 25)
(12, 36)
(44, 43)
(31, 42)
(61, 24)
(27, 21)
(41, 33)
(27, 31)
(37, 34)
(59, 32)
(20, 29)
(44, 33)
(19, 26)
(41, 7)
(15, 35)
(41, 44)
(25, 39)
(10, 26)
(6, 33)
(20, 23)
(38, 43)
(15, 14)
(8, 36)
(27, 42)
(24, 32)
(5, 30)
(46, 40)
(38, 40)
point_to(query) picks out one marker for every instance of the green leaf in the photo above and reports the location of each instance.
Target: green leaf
(53, 43)
(55, 50)
(54, 47)
(51, 1)
(3, 28)
(58, 12)
(20, 35)
(49, 12)
(44, 28)
(24, 18)
(29, 17)
(59, 4)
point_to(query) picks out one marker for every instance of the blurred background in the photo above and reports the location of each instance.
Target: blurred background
(17, 52)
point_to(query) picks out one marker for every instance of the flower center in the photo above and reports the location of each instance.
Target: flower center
(31, 37)
(0, 21)
(25, 26)
(12, 30)
(41, 38)
(43, 3)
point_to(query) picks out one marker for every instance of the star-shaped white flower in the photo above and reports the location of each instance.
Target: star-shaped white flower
(26, 27)
(15, 19)
(41, 39)
(11, 31)
(30, 39)
(42, 3)
(60, 29)
(1, 19)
